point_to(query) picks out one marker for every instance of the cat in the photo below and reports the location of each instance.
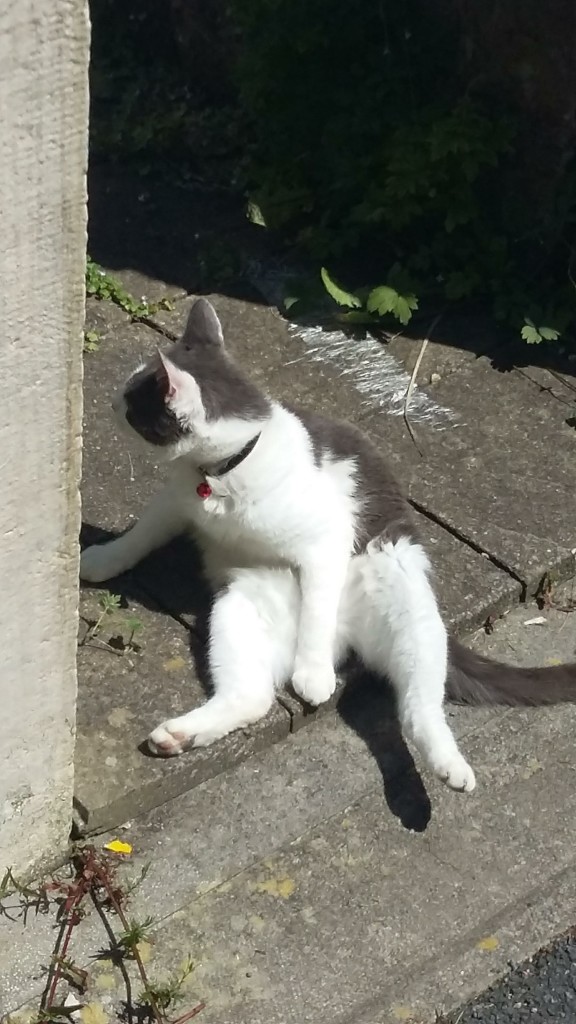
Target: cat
(311, 550)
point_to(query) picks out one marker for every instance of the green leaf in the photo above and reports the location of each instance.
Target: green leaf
(134, 625)
(404, 307)
(531, 334)
(290, 301)
(254, 214)
(109, 602)
(355, 316)
(549, 333)
(382, 300)
(338, 294)
(91, 341)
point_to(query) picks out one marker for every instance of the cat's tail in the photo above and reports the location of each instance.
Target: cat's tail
(474, 679)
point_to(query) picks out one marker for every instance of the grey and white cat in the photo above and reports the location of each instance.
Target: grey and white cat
(311, 551)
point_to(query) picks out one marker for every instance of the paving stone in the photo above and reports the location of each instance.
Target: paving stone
(125, 693)
(503, 477)
(455, 341)
(344, 921)
(294, 884)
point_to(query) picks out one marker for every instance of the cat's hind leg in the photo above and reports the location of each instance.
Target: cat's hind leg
(398, 631)
(252, 645)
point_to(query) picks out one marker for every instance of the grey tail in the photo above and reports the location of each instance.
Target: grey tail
(474, 679)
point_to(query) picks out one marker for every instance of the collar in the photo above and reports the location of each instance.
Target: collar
(226, 467)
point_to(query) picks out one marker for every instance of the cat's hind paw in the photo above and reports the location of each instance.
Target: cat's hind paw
(199, 728)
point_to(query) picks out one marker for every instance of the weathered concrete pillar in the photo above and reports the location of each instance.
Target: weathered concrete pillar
(43, 143)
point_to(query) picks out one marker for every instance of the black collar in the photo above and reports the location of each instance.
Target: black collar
(226, 467)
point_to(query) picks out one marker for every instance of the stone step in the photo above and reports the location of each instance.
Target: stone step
(124, 693)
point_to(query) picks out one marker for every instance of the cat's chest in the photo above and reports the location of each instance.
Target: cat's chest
(273, 523)
(238, 535)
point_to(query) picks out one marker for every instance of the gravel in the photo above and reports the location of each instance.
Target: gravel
(541, 989)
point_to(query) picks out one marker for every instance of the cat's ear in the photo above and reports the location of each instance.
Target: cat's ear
(171, 379)
(203, 326)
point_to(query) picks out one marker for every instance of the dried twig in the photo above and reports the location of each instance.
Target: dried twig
(412, 383)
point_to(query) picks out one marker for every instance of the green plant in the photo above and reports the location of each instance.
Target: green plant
(394, 299)
(109, 604)
(169, 992)
(96, 878)
(371, 148)
(534, 335)
(91, 341)
(101, 285)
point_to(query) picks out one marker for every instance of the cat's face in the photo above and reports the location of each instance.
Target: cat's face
(193, 398)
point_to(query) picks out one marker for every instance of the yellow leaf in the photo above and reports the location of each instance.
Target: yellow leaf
(93, 1014)
(402, 1013)
(489, 944)
(117, 846)
(145, 950)
(283, 887)
(174, 664)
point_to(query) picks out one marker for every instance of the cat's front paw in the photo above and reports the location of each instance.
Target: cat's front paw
(199, 728)
(100, 562)
(456, 773)
(314, 683)
(166, 742)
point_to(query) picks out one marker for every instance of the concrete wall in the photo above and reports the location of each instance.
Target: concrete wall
(43, 140)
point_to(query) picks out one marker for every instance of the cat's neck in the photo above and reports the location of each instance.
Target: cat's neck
(281, 448)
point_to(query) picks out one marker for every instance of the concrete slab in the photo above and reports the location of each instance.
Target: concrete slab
(561, 386)
(294, 884)
(123, 694)
(503, 476)
(456, 341)
(340, 922)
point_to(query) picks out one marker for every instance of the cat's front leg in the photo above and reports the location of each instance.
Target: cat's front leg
(321, 582)
(161, 520)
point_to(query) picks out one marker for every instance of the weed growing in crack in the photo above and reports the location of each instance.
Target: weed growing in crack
(91, 341)
(101, 285)
(96, 879)
(109, 604)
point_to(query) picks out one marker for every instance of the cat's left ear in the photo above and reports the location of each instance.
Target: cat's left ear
(203, 326)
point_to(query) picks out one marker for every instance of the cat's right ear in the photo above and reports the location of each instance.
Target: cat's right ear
(171, 379)
(203, 326)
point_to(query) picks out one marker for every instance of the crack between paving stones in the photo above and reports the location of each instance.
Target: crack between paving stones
(164, 331)
(468, 542)
(543, 389)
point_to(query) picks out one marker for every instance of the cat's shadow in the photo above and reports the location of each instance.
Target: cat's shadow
(368, 706)
(169, 582)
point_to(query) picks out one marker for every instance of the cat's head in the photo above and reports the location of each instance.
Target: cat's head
(193, 398)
